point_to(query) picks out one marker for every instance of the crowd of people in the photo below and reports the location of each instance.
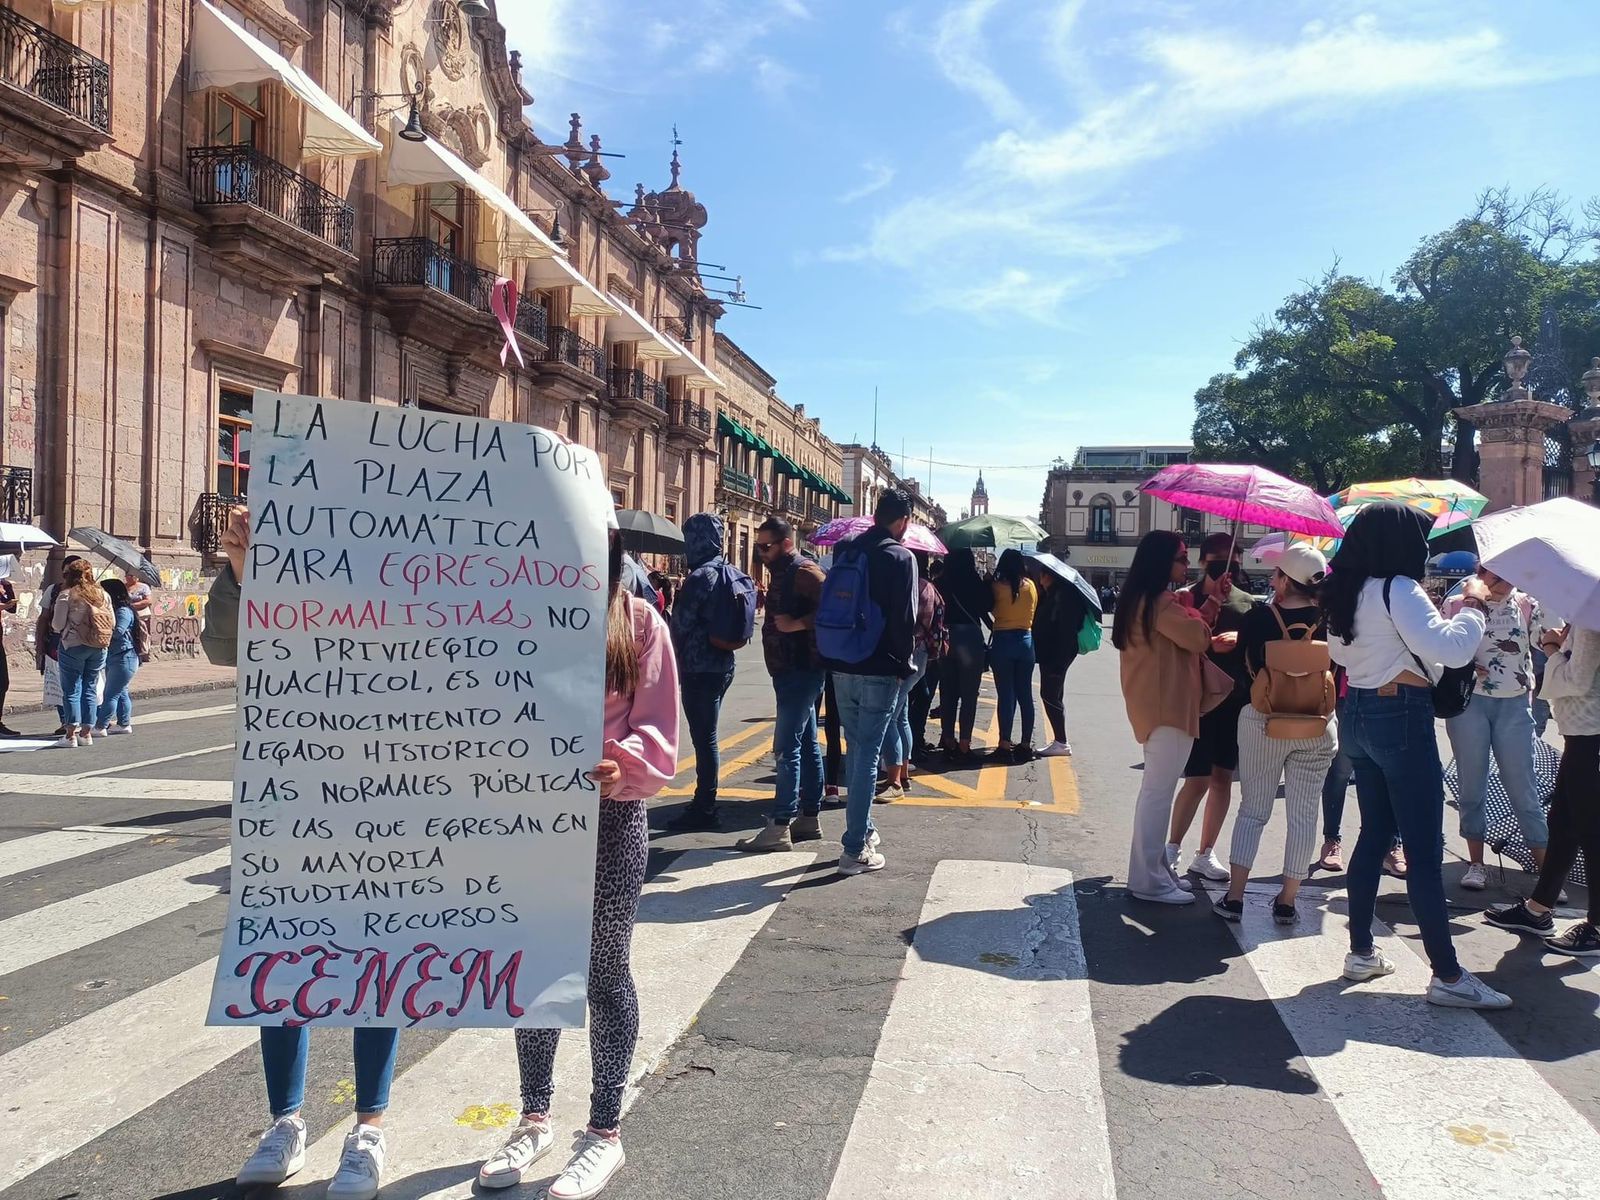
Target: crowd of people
(89, 641)
(1343, 671)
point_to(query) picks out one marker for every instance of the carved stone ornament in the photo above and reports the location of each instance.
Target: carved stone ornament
(452, 40)
(413, 73)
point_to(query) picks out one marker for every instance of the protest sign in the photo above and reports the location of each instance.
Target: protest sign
(421, 692)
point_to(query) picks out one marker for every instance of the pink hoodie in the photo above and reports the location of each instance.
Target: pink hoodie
(641, 732)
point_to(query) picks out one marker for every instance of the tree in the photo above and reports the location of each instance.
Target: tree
(1350, 380)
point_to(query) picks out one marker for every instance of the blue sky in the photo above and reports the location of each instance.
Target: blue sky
(1038, 223)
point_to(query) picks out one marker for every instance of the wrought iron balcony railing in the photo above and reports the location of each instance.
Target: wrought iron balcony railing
(532, 321)
(244, 175)
(630, 383)
(793, 505)
(54, 70)
(737, 481)
(564, 346)
(18, 501)
(687, 414)
(211, 519)
(422, 262)
(660, 396)
(819, 513)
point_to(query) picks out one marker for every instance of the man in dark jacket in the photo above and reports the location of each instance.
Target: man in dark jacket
(1060, 615)
(869, 690)
(789, 643)
(705, 671)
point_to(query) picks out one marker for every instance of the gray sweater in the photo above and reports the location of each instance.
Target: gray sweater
(220, 638)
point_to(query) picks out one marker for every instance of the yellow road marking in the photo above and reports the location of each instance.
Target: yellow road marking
(1063, 784)
(732, 766)
(738, 739)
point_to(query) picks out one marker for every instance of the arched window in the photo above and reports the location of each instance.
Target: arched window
(1102, 519)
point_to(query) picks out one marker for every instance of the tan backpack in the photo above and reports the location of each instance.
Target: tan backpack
(103, 623)
(1295, 688)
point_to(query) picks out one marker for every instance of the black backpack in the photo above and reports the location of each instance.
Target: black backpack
(1453, 692)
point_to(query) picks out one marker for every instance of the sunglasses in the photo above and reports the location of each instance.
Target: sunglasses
(763, 547)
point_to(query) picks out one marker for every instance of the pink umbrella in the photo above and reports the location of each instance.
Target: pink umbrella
(1252, 495)
(918, 537)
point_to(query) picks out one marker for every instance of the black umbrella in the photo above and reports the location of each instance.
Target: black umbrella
(1060, 569)
(117, 552)
(645, 533)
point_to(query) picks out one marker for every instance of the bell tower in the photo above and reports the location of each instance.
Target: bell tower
(980, 497)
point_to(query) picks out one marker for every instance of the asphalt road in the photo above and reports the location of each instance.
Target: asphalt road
(989, 1016)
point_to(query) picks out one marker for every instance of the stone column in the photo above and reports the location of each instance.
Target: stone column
(1511, 447)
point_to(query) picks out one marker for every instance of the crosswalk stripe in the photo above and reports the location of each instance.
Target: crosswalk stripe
(695, 920)
(182, 714)
(42, 933)
(214, 791)
(155, 762)
(1442, 1097)
(990, 1020)
(21, 855)
(64, 1089)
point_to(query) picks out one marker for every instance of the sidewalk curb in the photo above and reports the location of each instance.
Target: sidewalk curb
(209, 685)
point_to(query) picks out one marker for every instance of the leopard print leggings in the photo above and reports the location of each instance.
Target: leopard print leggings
(620, 856)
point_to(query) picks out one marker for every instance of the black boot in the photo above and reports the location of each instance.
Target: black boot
(696, 818)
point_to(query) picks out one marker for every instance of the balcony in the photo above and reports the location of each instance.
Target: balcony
(18, 495)
(1101, 537)
(268, 219)
(211, 519)
(793, 505)
(689, 422)
(431, 294)
(572, 367)
(633, 393)
(738, 482)
(55, 99)
(819, 513)
(532, 323)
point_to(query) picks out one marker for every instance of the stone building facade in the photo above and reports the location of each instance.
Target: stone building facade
(1095, 513)
(774, 459)
(869, 472)
(319, 196)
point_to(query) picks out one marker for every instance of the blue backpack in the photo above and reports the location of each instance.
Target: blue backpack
(733, 608)
(849, 622)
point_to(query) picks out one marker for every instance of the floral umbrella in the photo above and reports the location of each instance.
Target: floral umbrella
(918, 537)
(1246, 494)
(1437, 497)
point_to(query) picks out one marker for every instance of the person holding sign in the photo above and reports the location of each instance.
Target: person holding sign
(281, 1152)
(641, 758)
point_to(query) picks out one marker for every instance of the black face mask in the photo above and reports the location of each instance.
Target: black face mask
(1216, 569)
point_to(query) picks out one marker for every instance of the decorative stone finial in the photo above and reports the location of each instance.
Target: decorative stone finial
(1591, 383)
(1516, 363)
(594, 168)
(574, 144)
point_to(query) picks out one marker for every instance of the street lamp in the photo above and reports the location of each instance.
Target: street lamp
(1594, 471)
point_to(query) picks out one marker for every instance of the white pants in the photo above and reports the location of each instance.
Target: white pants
(1301, 765)
(1164, 757)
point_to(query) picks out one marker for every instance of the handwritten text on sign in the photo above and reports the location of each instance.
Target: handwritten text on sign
(421, 655)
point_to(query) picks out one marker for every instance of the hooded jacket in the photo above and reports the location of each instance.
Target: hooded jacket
(691, 614)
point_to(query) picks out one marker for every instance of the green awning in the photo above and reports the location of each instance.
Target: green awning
(729, 428)
(762, 448)
(787, 466)
(842, 496)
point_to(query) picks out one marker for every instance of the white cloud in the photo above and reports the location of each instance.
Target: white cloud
(959, 49)
(879, 176)
(772, 78)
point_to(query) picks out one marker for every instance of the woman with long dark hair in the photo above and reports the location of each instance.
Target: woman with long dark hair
(1391, 640)
(122, 662)
(1016, 600)
(641, 757)
(967, 601)
(1162, 642)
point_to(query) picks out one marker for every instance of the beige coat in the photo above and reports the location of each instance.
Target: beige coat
(1161, 677)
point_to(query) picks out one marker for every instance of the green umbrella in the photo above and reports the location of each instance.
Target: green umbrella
(989, 529)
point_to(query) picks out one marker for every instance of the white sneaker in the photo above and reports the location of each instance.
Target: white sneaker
(101, 732)
(1358, 968)
(1476, 878)
(860, 864)
(280, 1153)
(1057, 750)
(1207, 865)
(70, 741)
(591, 1168)
(1174, 853)
(360, 1172)
(85, 738)
(529, 1142)
(1171, 896)
(1467, 992)
(116, 729)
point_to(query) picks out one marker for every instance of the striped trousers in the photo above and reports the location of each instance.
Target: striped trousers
(1264, 762)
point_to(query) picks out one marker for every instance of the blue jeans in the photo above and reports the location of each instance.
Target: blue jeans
(961, 678)
(1336, 784)
(1011, 656)
(897, 743)
(1503, 724)
(794, 744)
(80, 668)
(120, 670)
(866, 702)
(1400, 787)
(1541, 708)
(702, 708)
(283, 1062)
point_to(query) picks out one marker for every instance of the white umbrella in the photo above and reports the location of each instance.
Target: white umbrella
(1551, 551)
(15, 538)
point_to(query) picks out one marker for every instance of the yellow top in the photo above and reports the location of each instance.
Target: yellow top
(1014, 612)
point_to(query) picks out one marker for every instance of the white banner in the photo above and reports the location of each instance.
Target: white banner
(421, 691)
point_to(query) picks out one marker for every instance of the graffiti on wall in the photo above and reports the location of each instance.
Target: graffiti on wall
(176, 616)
